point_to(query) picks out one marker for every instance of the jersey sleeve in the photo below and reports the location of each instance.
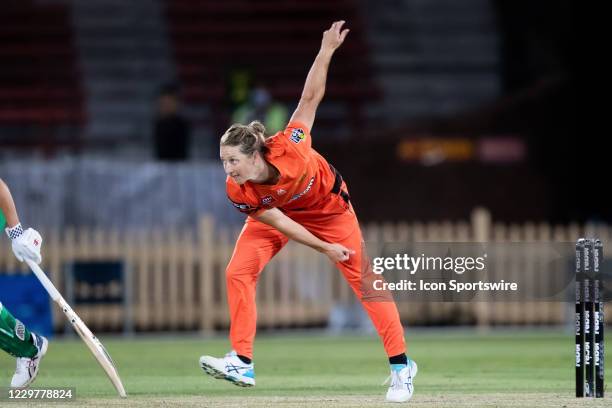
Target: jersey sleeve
(297, 135)
(241, 201)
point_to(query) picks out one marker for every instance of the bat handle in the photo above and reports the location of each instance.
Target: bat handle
(42, 277)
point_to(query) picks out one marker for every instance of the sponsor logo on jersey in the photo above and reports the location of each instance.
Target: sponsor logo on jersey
(242, 206)
(281, 192)
(297, 135)
(306, 190)
(267, 200)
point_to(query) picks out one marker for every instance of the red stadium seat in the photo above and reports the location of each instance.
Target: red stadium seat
(276, 41)
(40, 83)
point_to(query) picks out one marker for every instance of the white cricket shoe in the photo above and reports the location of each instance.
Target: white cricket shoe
(229, 368)
(401, 387)
(27, 368)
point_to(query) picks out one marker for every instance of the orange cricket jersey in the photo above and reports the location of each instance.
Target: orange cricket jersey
(305, 181)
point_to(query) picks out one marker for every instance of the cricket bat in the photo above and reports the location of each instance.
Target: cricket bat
(93, 344)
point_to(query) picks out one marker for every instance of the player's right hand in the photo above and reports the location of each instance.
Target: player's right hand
(337, 252)
(27, 246)
(334, 37)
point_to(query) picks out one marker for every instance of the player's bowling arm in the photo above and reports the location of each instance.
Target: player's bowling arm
(292, 230)
(314, 87)
(7, 205)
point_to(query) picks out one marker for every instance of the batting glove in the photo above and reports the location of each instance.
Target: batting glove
(26, 244)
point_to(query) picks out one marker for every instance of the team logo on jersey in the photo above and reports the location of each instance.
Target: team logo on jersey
(19, 330)
(281, 192)
(267, 200)
(306, 190)
(297, 135)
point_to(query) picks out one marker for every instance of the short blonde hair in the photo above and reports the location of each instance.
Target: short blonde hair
(251, 138)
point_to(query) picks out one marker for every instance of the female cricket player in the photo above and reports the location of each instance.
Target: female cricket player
(289, 191)
(15, 338)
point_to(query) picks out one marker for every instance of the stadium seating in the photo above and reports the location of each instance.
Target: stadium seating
(433, 58)
(41, 99)
(276, 42)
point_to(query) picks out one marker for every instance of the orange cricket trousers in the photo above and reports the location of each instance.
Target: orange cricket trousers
(333, 222)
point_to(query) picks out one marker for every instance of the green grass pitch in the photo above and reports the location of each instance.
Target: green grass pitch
(456, 369)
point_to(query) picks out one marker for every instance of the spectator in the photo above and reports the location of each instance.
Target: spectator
(171, 129)
(262, 107)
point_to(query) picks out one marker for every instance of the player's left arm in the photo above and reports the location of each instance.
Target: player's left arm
(7, 205)
(314, 87)
(292, 230)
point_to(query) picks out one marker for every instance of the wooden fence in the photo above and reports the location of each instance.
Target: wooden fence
(175, 279)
